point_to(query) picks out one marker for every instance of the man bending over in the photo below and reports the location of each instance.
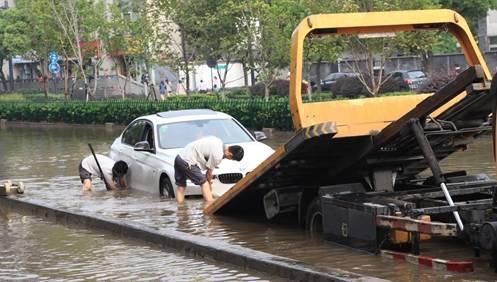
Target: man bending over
(202, 154)
(114, 172)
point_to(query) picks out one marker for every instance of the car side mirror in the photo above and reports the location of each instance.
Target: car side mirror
(260, 135)
(143, 146)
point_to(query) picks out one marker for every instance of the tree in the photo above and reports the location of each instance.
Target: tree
(32, 33)
(471, 10)
(79, 21)
(370, 54)
(176, 21)
(130, 38)
(10, 26)
(276, 21)
(325, 48)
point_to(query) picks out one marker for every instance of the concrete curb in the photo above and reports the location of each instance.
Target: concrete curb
(434, 263)
(192, 245)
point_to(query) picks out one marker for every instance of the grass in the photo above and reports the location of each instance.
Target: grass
(30, 97)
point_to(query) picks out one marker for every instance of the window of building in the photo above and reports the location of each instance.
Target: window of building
(492, 43)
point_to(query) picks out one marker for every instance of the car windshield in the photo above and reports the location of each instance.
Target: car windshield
(179, 134)
(416, 74)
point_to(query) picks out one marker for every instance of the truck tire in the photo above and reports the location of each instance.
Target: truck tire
(165, 187)
(314, 217)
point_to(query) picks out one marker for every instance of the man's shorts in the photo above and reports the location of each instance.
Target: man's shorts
(183, 171)
(83, 174)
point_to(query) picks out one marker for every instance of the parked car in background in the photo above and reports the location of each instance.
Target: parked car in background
(411, 78)
(331, 79)
(149, 145)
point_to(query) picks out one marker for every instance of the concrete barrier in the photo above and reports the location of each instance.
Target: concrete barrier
(191, 245)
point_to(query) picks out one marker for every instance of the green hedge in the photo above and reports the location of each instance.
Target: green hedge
(253, 113)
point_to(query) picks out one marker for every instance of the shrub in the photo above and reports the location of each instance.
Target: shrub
(253, 113)
(394, 84)
(434, 83)
(279, 88)
(352, 87)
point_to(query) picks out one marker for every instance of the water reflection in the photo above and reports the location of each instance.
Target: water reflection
(47, 160)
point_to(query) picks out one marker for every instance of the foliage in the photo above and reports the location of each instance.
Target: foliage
(31, 31)
(253, 113)
(434, 83)
(352, 87)
(279, 88)
(471, 10)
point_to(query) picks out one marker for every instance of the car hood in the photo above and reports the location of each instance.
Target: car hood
(254, 154)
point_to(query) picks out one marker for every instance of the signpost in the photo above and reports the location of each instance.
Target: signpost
(53, 67)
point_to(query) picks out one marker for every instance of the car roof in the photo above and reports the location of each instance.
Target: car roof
(185, 115)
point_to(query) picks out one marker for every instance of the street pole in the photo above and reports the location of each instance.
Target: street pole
(212, 82)
(54, 83)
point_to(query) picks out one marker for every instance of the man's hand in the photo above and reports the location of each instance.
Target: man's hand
(111, 187)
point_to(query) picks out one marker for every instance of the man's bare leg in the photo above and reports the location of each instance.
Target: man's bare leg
(86, 185)
(180, 194)
(206, 191)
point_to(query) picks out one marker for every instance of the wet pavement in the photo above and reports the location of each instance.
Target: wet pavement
(46, 160)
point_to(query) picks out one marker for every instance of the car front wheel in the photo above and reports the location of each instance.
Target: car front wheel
(165, 187)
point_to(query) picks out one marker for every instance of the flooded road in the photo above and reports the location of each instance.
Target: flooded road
(46, 159)
(34, 250)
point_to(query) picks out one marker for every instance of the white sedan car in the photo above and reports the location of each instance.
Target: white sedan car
(149, 145)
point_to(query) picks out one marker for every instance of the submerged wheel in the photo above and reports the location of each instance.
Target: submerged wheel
(314, 217)
(165, 187)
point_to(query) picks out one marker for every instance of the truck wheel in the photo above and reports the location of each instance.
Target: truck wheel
(165, 187)
(314, 217)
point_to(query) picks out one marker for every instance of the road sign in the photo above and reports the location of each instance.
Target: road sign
(54, 68)
(53, 65)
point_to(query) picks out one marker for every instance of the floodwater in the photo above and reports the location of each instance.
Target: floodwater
(34, 250)
(46, 159)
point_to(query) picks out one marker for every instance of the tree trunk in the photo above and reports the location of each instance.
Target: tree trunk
(185, 61)
(45, 76)
(245, 74)
(2, 76)
(95, 79)
(251, 64)
(114, 59)
(66, 79)
(266, 92)
(308, 76)
(318, 74)
(426, 63)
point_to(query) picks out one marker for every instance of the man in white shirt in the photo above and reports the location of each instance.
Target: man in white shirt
(202, 154)
(114, 172)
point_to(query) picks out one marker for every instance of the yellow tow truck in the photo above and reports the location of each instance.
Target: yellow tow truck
(352, 168)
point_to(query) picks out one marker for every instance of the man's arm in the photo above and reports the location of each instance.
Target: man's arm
(122, 182)
(208, 175)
